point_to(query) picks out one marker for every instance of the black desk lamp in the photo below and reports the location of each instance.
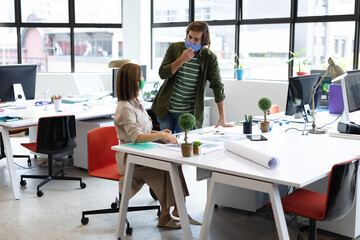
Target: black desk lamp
(336, 73)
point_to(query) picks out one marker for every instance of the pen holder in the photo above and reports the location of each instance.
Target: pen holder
(57, 104)
(247, 127)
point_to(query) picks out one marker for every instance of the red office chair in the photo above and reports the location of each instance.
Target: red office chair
(274, 109)
(333, 206)
(2, 150)
(102, 164)
(55, 137)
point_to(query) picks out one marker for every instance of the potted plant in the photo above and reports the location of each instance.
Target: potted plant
(300, 64)
(186, 122)
(196, 147)
(264, 104)
(239, 70)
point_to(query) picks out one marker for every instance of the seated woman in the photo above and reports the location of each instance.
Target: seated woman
(133, 124)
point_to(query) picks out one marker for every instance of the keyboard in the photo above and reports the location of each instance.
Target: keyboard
(344, 135)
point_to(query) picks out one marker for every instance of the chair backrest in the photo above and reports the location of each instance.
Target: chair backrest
(56, 134)
(274, 109)
(100, 141)
(341, 189)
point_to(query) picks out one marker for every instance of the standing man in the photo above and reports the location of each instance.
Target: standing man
(186, 67)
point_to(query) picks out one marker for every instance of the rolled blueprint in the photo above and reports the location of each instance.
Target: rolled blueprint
(261, 158)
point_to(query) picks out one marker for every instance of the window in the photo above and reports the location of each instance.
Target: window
(265, 57)
(170, 11)
(214, 10)
(257, 9)
(325, 7)
(46, 30)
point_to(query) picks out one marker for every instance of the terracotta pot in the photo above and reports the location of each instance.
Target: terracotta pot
(186, 149)
(265, 126)
(196, 150)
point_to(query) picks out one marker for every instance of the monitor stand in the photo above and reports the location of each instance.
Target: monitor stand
(20, 99)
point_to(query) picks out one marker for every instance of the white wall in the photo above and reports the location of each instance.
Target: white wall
(242, 98)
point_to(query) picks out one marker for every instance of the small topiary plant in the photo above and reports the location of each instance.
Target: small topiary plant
(264, 104)
(187, 122)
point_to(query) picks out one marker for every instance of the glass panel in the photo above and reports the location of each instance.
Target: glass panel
(265, 57)
(214, 10)
(50, 11)
(162, 38)
(254, 9)
(171, 11)
(223, 45)
(95, 47)
(7, 11)
(98, 11)
(8, 46)
(323, 40)
(48, 47)
(325, 7)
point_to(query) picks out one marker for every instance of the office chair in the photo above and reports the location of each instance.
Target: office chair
(55, 137)
(274, 109)
(336, 204)
(2, 150)
(102, 164)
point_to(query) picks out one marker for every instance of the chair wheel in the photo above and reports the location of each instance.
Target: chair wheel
(113, 205)
(23, 182)
(40, 193)
(129, 231)
(84, 220)
(83, 185)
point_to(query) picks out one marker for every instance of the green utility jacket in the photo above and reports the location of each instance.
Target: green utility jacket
(209, 71)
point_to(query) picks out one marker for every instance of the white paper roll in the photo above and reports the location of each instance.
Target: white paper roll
(258, 157)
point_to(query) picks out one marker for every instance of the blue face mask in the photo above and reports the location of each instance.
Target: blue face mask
(193, 46)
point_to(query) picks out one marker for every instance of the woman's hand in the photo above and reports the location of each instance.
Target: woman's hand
(167, 137)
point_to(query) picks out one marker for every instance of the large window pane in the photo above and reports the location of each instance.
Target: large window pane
(325, 7)
(8, 46)
(171, 11)
(50, 11)
(48, 47)
(254, 9)
(265, 57)
(223, 44)
(162, 38)
(324, 40)
(95, 47)
(214, 10)
(98, 11)
(7, 11)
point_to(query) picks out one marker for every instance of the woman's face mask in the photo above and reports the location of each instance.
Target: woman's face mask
(193, 46)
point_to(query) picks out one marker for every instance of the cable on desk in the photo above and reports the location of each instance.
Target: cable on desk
(330, 122)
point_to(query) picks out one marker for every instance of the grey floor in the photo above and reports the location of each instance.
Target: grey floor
(57, 214)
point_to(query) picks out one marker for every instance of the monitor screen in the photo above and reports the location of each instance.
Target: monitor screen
(115, 70)
(299, 93)
(352, 83)
(25, 74)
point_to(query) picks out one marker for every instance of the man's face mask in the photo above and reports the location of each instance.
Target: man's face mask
(193, 46)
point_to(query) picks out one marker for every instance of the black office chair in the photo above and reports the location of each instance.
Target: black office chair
(2, 150)
(102, 164)
(335, 205)
(55, 137)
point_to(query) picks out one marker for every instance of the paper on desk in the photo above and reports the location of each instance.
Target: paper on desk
(263, 159)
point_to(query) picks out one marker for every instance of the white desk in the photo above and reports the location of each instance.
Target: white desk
(304, 160)
(91, 110)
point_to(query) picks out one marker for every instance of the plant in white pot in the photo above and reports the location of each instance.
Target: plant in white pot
(186, 122)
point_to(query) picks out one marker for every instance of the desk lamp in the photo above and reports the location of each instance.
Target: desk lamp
(336, 73)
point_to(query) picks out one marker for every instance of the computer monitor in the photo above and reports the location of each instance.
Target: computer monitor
(24, 74)
(115, 70)
(299, 95)
(352, 85)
